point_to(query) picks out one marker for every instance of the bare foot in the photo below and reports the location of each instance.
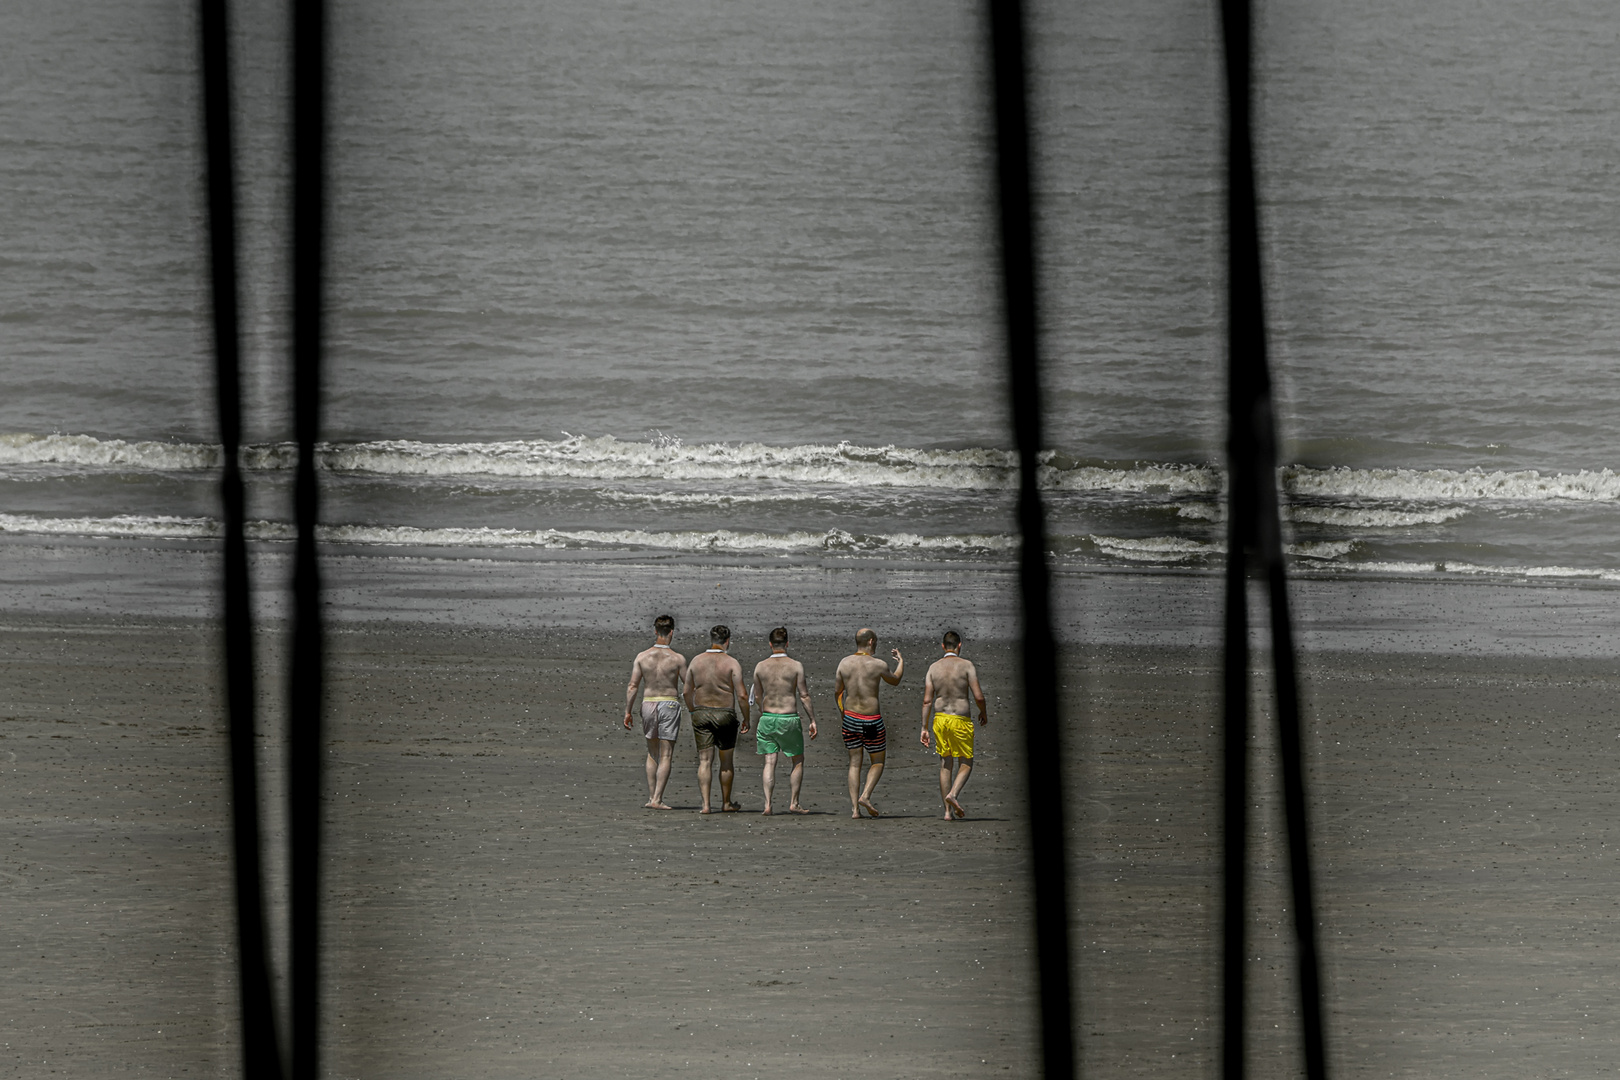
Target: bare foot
(792, 809)
(856, 814)
(732, 807)
(705, 810)
(656, 806)
(956, 807)
(866, 804)
(765, 812)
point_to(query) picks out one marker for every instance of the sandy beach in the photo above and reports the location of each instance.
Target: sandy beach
(500, 904)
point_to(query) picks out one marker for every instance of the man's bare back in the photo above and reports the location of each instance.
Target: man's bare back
(658, 671)
(860, 678)
(955, 681)
(779, 686)
(716, 681)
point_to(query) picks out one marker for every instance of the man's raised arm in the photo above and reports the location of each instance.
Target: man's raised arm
(899, 668)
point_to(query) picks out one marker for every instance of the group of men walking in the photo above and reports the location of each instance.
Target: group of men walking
(712, 688)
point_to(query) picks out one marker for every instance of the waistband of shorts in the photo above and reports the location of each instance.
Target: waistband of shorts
(716, 710)
(952, 716)
(859, 716)
(779, 715)
(656, 700)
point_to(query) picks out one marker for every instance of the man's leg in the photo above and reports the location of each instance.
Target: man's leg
(945, 784)
(872, 775)
(964, 769)
(855, 782)
(727, 774)
(705, 773)
(768, 779)
(658, 770)
(797, 778)
(652, 771)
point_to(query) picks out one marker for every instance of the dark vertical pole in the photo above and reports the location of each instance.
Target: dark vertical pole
(1254, 523)
(261, 1055)
(1042, 727)
(305, 696)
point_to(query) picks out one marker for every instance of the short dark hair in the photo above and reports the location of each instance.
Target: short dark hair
(664, 625)
(952, 640)
(720, 635)
(779, 636)
(863, 638)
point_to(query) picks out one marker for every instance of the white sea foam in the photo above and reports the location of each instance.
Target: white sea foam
(1161, 549)
(1366, 517)
(1478, 570)
(1143, 478)
(126, 526)
(604, 458)
(1449, 485)
(1349, 517)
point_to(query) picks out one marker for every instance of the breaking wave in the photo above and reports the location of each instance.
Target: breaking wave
(127, 526)
(1350, 517)
(604, 458)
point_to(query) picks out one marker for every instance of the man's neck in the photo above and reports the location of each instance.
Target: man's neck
(863, 652)
(660, 644)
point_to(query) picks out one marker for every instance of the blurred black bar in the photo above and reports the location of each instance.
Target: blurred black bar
(305, 697)
(1254, 525)
(261, 1055)
(1042, 724)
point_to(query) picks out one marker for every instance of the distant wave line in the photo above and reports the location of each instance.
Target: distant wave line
(605, 458)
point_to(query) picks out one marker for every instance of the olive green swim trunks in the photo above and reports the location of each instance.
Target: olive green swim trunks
(714, 727)
(779, 733)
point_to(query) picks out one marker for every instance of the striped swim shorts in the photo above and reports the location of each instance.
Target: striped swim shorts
(865, 732)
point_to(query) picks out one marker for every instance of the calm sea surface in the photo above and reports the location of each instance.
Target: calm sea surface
(715, 280)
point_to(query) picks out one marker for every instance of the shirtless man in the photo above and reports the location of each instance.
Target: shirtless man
(779, 686)
(855, 688)
(658, 672)
(945, 708)
(714, 694)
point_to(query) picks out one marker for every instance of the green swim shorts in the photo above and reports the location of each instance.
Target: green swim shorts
(779, 733)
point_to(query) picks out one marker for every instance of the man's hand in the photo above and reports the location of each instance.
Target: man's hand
(744, 729)
(927, 739)
(983, 719)
(812, 729)
(896, 654)
(627, 719)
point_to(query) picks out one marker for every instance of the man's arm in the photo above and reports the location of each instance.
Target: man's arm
(686, 695)
(899, 668)
(738, 697)
(928, 710)
(804, 692)
(838, 689)
(630, 691)
(978, 695)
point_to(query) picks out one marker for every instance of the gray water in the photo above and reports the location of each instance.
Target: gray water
(714, 281)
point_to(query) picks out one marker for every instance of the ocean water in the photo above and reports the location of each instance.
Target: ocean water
(713, 281)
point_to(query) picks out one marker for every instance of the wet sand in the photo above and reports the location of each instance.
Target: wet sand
(499, 904)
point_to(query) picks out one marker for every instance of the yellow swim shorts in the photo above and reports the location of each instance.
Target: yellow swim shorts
(953, 735)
